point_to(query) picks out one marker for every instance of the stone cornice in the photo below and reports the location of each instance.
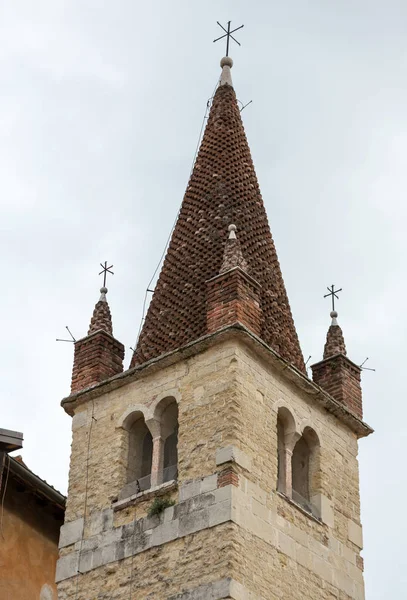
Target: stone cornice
(336, 356)
(236, 331)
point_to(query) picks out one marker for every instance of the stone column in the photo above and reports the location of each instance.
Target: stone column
(288, 478)
(157, 462)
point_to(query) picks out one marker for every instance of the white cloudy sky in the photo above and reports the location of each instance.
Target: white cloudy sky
(100, 109)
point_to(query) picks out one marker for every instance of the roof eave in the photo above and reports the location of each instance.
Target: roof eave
(36, 483)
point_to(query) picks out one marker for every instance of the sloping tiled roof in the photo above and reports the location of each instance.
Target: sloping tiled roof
(222, 190)
(19, 470)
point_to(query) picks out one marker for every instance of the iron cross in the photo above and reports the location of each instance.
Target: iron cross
(228, 35)
(332, 292)
(105, 270)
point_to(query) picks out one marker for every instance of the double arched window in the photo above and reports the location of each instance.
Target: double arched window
(298, 462)
(152, 455)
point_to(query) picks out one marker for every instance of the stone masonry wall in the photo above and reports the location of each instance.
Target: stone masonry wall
(228, 400)
(207, 420)
(160, 572)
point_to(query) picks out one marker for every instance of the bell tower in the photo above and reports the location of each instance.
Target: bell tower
(214, 468)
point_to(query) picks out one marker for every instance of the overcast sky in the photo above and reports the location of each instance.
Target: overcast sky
(101, 104)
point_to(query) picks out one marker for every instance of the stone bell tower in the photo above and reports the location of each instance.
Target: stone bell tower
(214, 467)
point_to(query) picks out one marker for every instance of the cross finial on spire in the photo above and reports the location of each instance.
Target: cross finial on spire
(105, 270)
(228, 35)
(332, 292)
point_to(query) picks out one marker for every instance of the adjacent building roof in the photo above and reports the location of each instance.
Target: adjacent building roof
(223, 190)
(17, 469)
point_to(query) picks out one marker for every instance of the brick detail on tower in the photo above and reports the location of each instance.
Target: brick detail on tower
(336, 374)
(233, 297)
(97, 357)
(340, 377)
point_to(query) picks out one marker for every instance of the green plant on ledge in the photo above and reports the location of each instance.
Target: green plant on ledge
(159, 505)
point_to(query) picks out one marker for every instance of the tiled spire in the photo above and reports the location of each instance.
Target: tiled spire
(223, 189)
(335, 343)
(101, 318)
(99, 355)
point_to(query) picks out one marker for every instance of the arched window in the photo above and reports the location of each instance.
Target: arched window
(167, 415)
(285, 439)
(140, 453)
(306, 470)
(300, 469)
(169, 429)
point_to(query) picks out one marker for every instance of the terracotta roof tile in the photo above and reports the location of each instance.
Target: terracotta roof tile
(223, 189)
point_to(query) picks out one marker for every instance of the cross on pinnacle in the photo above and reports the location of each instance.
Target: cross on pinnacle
(105, 270)
(228, 35)
(332, 292)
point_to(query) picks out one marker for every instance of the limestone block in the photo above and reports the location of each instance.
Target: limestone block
(211, 591)
(70, 533)
(67, 566)
(318, 549)
(100, 521)
(303, 556)
(220, 512)
(260, 510)
(285, 544)
(322, 568)
(208, 484)
(343, 582)
(189, 489)
(165, 533)
(355, 533)
(79, 419)
(88, 544)
(256, 492)
(223, 493)
(168, 514)
(85, 561)
(233, 454)
(193, 522)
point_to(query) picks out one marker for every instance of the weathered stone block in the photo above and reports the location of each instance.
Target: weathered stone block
(67, 566)
(70, 533)
(355, 533)
(192, 522)
(232, 454)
